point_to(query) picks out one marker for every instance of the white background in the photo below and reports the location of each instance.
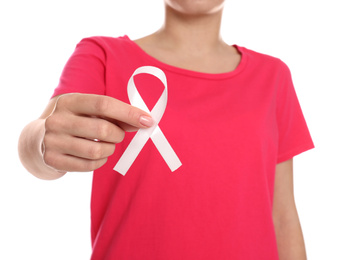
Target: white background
(51, 219)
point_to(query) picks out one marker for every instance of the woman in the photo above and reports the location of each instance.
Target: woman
(209, 171)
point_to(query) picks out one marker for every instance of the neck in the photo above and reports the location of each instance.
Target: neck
(193, 33)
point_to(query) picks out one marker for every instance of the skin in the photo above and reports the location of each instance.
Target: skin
(288, 230)
(57, 143)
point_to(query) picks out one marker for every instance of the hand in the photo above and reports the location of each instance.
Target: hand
(82, 130)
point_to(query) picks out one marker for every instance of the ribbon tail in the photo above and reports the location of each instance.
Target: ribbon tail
(165, 149)
(132, 151)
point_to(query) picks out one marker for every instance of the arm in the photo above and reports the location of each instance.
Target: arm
(286, 221)
(63, 139)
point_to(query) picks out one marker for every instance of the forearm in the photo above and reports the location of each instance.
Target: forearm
(290, 238)
(30, 153)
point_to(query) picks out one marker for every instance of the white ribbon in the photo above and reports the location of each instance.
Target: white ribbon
(154, 132)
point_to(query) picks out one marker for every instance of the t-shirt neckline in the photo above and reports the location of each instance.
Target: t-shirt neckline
(192, 73)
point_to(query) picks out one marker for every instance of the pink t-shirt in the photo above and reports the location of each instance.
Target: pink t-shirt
(229, 131)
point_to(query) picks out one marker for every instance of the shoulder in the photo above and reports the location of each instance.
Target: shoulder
(103, 40)
(260, 60)
(103, 43)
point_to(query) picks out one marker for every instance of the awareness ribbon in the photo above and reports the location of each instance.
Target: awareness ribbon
(154, 132)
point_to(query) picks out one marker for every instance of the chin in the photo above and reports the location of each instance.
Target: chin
(196, 7)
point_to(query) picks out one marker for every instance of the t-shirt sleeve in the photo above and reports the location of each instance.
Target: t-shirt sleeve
(293, 134)
(84, 72)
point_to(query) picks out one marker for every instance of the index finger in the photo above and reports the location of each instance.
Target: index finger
(108, 108)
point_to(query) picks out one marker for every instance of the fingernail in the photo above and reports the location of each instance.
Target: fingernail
(146, 121)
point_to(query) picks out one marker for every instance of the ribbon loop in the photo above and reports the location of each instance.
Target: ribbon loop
(139, 140)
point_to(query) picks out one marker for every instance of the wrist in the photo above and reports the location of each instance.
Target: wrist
(31, 150)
